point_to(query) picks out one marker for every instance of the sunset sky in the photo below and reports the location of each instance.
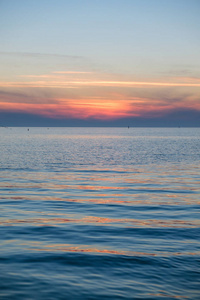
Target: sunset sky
(100, 63)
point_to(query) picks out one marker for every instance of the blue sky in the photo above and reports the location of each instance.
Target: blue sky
(86, 60)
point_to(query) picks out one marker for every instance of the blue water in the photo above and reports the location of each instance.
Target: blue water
(99, 213)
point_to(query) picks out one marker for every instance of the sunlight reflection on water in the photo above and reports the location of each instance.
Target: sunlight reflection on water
(76, 201)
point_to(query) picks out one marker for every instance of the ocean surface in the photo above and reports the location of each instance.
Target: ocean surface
(99, 213)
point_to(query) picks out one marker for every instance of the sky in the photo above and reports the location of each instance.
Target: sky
(100, 63)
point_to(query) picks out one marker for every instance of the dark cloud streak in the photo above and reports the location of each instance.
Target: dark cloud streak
(175, 118)
(41, 55)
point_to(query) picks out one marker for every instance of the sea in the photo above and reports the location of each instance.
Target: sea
(99, 213)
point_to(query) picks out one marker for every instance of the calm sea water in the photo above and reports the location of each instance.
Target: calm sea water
(99, 213)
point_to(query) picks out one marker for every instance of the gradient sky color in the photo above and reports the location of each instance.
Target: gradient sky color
(100, 63)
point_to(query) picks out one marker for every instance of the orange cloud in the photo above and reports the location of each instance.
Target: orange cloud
(94, 98)
(98, 107)
(72, 108)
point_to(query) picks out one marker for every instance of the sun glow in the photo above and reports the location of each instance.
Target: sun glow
(92, 95)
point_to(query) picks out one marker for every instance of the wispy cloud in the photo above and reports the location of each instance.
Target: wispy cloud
(71, 72)
(87, 83)
(80, 79)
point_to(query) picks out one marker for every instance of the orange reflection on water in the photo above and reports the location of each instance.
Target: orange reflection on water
(165, 294)
(143, 223)
(88, 248)
(149, 223)
(101, 198)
